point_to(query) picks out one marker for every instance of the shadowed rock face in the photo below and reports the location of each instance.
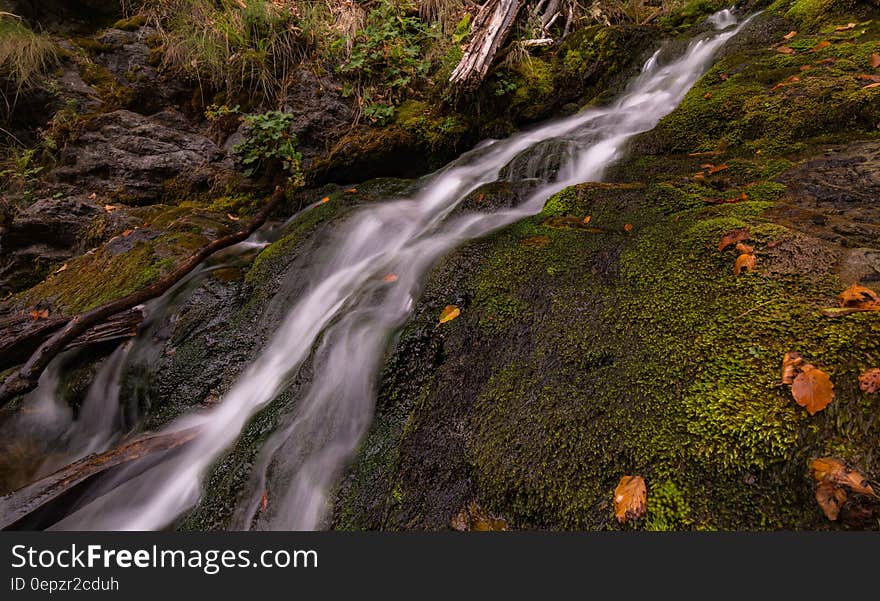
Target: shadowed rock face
(134, 156)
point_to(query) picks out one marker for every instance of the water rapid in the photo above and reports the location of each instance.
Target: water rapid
(344, 320)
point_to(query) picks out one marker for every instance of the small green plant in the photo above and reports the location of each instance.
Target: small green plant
(502, 84)
(19, 170)
(215, 112)
(386, 60)
(270, 140)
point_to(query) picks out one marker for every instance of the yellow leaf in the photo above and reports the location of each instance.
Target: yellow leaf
(828, 469)
(449, 313)
(744, 261)
(630, 498)
(587, 218)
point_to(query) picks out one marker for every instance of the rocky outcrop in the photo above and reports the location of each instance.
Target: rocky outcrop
(46, 232)
(137, 159)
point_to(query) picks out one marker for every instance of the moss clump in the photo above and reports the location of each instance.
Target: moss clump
(811, 15)
(132, 23)
(759, 100)
(435, 130)
(113, 94)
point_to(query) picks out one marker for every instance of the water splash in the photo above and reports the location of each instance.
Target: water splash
(344, 321)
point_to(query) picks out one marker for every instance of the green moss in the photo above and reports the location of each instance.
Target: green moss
(690, 13)
(812, 14)
(428, 125)
(763, 101)
(113, 94)
(132, 23)
(97, 278)
(668, 508)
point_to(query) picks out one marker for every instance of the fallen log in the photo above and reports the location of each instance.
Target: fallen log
(491, 27)
(20, 335)
(25, 379)
(23, 502)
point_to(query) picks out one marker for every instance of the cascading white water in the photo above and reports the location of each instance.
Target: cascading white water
(344, 320)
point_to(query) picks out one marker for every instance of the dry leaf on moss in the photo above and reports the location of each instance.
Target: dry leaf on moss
(449, 313)
(830, 498)
(812, 389)
(828, 469)
(869, 381)
(732, 237)
(791, 366)
(744, 261)
(630, 498)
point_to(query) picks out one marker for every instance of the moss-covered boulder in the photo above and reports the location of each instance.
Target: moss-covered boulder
(629, 345)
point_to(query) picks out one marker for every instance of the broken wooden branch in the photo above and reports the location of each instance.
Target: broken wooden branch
(491, 27)
(25, 379)
(16, 505)
(20, 335)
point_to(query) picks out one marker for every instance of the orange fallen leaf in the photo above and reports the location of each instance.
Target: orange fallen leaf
(846, 27)
(785, 50)
(627, 227)
(871, 85)
(812, 389)
(232, 217)
(352, 190)
(38, 314)
(746, 262)
(723, 76)
(828, 469)
(830, 498)
(390, 277)
(732, 237)
(789, 35)
(93, 196)
(820, 46)
(587, 219)
(805, 67)
(786, 82)
(707, 95)
(127, 233)
(710, 168)
(60, 269)
(868, 77)
(791, 366)
(449, 313)
(869, 381)
(875, 61)
(857, 296)
(264, 501)
(325, 199)
(110, 208)
(745, 249)
(630, 498)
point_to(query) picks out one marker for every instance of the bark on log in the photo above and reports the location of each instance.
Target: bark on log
(490, 30)
(16, 505)
(20, 335)
(25, 379)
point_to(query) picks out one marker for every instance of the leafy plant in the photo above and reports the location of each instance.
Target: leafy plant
(270, 140)
(386, 60)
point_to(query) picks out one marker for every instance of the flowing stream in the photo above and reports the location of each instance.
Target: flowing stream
(343, 322)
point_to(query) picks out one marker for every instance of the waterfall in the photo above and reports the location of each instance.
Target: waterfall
(345, 318)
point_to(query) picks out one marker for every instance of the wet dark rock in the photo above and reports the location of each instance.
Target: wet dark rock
(135, 157)
(321, 115)
(834, 195)
(48, 231)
